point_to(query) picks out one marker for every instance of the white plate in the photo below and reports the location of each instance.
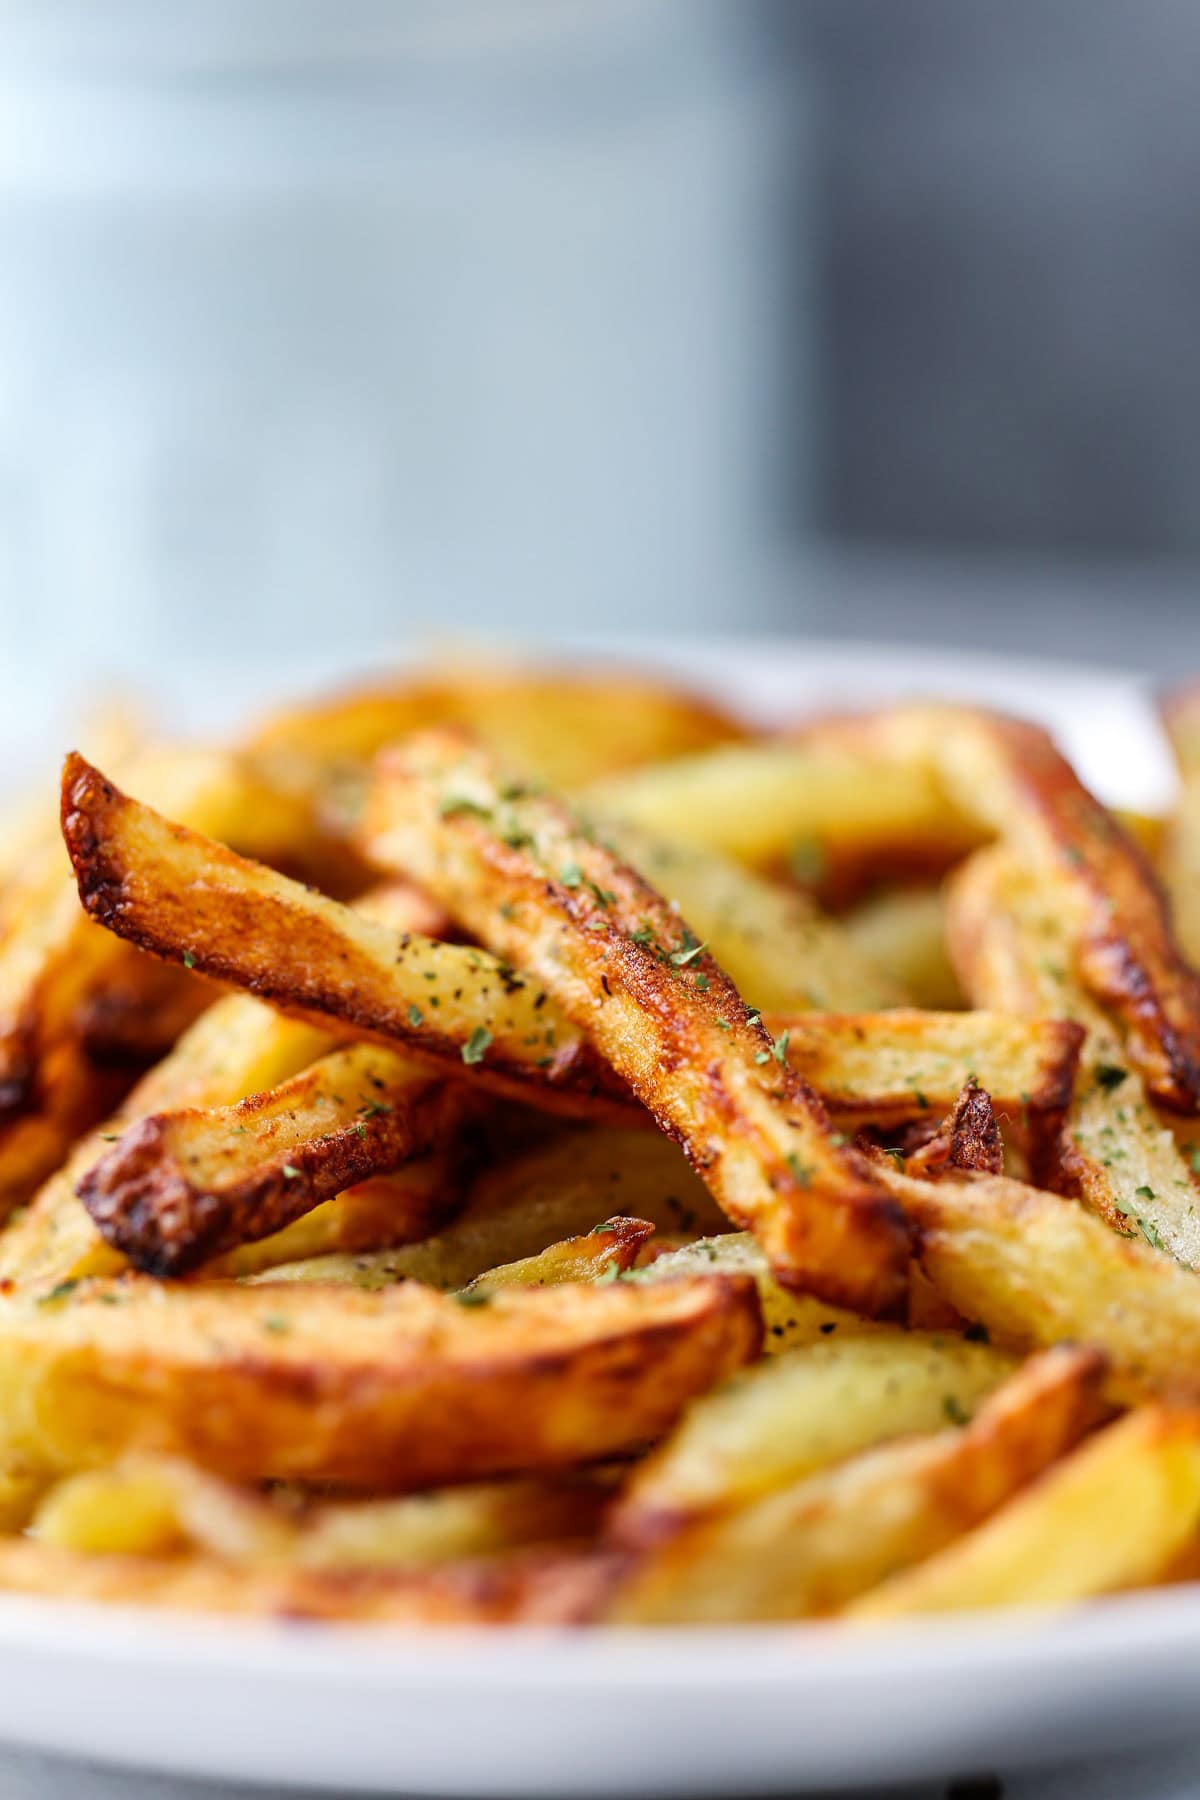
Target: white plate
(754, 1710)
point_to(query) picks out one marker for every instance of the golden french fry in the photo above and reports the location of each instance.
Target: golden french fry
(398, 1390)
(1013, 951)
(1114, 1514)
(603, 1254)
(179, 1188)
(811, 1547)
(799, 1412)
(519, 872)
(182, 896)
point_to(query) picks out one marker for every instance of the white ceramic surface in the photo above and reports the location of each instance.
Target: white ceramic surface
(755, 1710)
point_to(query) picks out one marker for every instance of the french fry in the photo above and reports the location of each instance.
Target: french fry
(394, 1390)
(1010, 776)
(1013, 953)
(568, 728)
(603, 1254)
(1036, 1269)
(534, 1588)
(184, 897)
(813, 1546)
(756, 802)
(796, 1413)
(775, 945)
(1114, 1514)
(558, 1191)
(239, 1045)
(893, 1068)
(180, 1188)
(967, 1138)
(162, 1506)
(526, 880)
(902, 932)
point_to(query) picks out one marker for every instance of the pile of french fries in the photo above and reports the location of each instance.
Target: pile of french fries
(518, 1147)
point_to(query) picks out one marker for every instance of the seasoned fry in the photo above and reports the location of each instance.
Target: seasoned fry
(1010, 776)
(517, 1210)
(535, 1588)
(178, 894)
(1035, 1269)
(892, 1068)
(397, 1390)
(520, 873)
(1113, 1515)
(798, 1413)
(811, 1547)
(179, 1188)
(162, 1506)
(1123, 1161)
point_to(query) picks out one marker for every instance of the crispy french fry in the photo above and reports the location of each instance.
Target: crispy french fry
(396, 1390)
(799, 1412)
(1012, 950)
(812, 1547)
(162, 1506)
(180, 1188)
(533, 1588)
(567, 727)
(521, 874)
(1114, 1514)
(1010, 776)
(892, 1068)
(560, 1190)
(603, 1254)
(1036, 1269)
(182, 896)
(756, 802)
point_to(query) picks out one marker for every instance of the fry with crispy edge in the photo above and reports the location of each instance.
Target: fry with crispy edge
(1010, 944)
(813, 1546)
(1036, 1269)
(180, 1188)
(188, 899)
(1011, 776)
(519, 872)
(393, 1390)
(1114, 1514)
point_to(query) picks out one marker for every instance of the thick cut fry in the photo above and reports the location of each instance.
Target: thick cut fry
(1036, 1269)
(533, 1588)
(179, 1188)
(394, 1390)
(523, 1207)
(161, 1506)
(1010, 945)
(812, 1547)
(520, 873)
(1114, 1514)
(892, 1068)
(756, 802)
(184, 897)
(606, 1252)
(1010, 776)
(796, 1413)
(565, 726)
(777, 948)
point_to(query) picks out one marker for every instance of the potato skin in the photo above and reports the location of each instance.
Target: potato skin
(395, 1390)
